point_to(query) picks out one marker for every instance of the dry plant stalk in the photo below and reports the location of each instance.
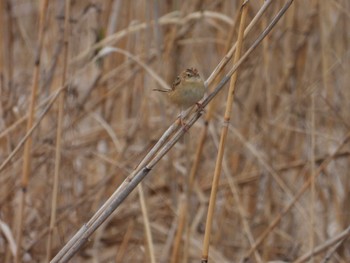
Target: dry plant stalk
(338, 240)
(146, 224)
(28, 143)
(306, 185)
(224, 129)
(175, 255)
(59, 131)
(164, 144)
(284, 190)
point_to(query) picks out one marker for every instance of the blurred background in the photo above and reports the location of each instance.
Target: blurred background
(290, 124)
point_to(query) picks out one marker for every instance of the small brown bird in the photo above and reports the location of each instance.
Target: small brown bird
(187, 89)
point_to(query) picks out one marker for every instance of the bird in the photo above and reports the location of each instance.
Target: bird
(187, 89)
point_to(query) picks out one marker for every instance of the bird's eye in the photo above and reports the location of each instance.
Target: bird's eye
(188, 74)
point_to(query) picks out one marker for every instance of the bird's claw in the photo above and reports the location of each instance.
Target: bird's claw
(200, 107)
(183, 124)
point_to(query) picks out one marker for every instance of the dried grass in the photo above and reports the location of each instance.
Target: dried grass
(284, 190)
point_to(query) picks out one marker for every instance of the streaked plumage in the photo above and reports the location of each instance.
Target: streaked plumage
(187, 89)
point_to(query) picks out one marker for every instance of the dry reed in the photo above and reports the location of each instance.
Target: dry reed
(79, 123)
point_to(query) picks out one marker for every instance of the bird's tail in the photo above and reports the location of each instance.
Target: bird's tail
(161, 90)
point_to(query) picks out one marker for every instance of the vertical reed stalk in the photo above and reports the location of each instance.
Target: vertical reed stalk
(9, 44)
(313, 175)
(146, 224)
(28, 144)
(224, 130)
(175, 255)
(59, 132)
(2, 45)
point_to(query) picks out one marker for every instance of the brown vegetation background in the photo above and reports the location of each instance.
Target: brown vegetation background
(290, 124)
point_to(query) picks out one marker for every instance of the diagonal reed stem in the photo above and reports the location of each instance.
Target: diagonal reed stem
(164, 144)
